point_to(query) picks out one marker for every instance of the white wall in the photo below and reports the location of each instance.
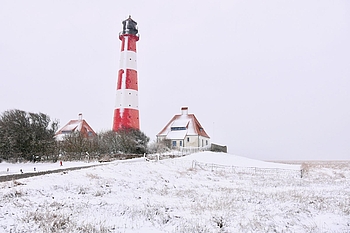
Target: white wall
(194, 141)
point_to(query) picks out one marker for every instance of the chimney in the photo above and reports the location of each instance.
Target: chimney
(80, 117)
(184, 111)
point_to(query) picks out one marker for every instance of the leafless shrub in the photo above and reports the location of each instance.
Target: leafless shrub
(93, 176)
(193, 226)
(13, 194)
(156, 213)
(311, 227)
(345, 206)
(93, 228)
(82, 190)
(59, 224)
(219, 221)
(17, 183)
(49, 221)
(56, 222)
(99, 193)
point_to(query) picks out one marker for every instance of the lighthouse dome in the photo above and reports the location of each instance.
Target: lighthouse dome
(129, 26)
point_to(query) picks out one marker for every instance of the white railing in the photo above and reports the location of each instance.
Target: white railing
(176, 152)
(191, 150)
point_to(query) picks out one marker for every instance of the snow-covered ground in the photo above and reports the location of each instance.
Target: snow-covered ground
(15, 168)
(179, 195)
(236, 161)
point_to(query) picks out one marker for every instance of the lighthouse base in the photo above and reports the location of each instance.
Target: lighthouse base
(126, 118)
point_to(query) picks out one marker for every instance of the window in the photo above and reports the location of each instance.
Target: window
(180, 143)
(174, 143)
(177, 128)
(206, 142)
(188, 139)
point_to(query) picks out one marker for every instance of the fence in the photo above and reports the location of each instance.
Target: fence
(190, 150)
(177, 152)
(248, 170)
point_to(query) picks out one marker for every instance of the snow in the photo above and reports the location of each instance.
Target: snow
(72, 126)
(180, 123)
(14, 168)
(237, 161)
(175, 195)
(177, 134)
(190, 125)
(60, 137)
(183, 120)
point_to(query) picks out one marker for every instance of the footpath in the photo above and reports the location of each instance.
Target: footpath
(125, 159)
(32, 174)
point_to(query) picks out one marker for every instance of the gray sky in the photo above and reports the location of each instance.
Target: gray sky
(269, 79)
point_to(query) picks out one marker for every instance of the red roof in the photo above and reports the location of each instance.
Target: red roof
(189, 121)
(79, 125)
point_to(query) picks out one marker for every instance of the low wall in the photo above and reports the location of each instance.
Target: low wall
(218, 148)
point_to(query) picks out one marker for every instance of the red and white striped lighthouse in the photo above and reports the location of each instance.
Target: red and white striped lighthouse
(126, 112)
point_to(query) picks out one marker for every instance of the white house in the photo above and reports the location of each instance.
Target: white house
(184, 131)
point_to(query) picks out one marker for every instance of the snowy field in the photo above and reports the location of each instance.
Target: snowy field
(10, 169)
(204, 192)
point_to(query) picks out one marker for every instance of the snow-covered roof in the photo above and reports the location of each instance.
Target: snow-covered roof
(178, 134)
(180, 123)
(79, 125)
(189, 121)
(72, 126)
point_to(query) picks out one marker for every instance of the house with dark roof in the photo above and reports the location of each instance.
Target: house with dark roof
(184, 130)
(79, 125)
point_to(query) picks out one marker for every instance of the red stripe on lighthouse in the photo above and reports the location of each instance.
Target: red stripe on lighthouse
(129, 118)
(131, 46)
(130, 81)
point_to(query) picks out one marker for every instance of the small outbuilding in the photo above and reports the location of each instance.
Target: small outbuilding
(185, 131)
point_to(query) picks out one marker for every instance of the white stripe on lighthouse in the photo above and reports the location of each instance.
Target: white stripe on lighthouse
(128, 60)
(127, 98)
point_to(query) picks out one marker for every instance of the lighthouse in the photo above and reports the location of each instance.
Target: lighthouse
(126, 111)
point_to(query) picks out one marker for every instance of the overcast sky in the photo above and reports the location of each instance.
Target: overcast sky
(269, 79)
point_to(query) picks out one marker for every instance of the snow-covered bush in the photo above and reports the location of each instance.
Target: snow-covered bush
(27, 136)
